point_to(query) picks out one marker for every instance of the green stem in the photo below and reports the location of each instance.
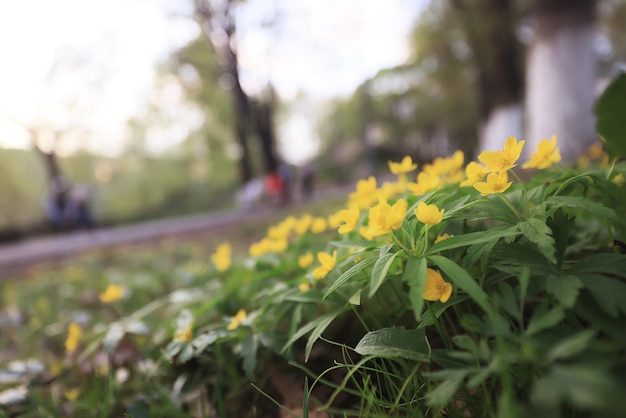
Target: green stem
(508, 203)
(524, 191)
(425, 240)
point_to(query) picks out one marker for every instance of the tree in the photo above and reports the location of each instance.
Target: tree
(217, 20)
(561, 75)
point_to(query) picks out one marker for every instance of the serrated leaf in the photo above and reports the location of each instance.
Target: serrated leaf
(562, 226)
(379, 272)
(564, 289)
(539, 233)
(610, 293)
(507, 300)
(570, 345)
(584, 204)
(543, 319)
(462, 280)
(610, 110)
(395, 342)
(415, 276)
(441, 395)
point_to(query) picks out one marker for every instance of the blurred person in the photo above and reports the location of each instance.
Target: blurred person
(307, 179)
(57, 203)
(80, 207)
(286, 176)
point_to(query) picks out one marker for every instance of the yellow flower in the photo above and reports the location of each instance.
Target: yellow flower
(474, 173)
(305, 260)
(383, 218)
(304, 286)
(546, 155)
(112, 293)
(185, 335)
(318, 225)
(365, 233)
(221, 257)
(428, 214)
(334, 219)
(595, 151)
(583, 161)
(425, 183)
(436, 288)
(73, 337)
(303, 224)
(502, 160)
(72, 394)
(366, 193)
(619, 179)
(277, 246)
(236, 320)
(348, 218)
(327, 262)
(403, 167)
(496, 183)
(442, 237)
(260, 248)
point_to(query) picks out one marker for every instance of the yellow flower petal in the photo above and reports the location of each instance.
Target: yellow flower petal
(436, 288)
(496, 183)
(428, 214)
(112, 293)
(403, 167)
(74, 333)
(305, 260)
(502, 160)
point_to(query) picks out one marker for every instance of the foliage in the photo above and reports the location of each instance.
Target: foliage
(434, 300)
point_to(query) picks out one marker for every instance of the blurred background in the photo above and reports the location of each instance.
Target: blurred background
(116, 111)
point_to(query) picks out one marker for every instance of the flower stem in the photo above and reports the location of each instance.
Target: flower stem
(508, 203)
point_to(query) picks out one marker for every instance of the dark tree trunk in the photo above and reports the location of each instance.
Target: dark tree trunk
(263, 115)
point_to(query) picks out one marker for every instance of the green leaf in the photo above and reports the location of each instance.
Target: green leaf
(570, 346)
(395, 342)
(472, 238)
(328, 317)
(317, 331)
(507, 300)
(462, 280)
(584, 204)
(543, 319)
(610, 110)
(248, 352)
(614, 264)
(415, 276)
(580, 386)
(610, 293)
(562, 226)
(451, 380)
(539, 233)
(350, 273)
(564, 289)
(379, 272)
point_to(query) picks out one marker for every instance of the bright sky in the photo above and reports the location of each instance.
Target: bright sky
(107, 51)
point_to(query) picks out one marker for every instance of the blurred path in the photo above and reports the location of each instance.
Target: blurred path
(16, 257)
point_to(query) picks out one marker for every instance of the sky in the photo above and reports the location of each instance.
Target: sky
(89, 65)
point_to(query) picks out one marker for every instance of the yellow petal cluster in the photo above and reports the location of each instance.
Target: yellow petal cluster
(502, 160)
(236, 320)
(327, 263)
(383, 217)
(449, 169)
(112, 293)
(442, 237)
(74, 333)
(318, 225)
(305, 260)
(546, 155)
(303, 224)
(221, 258)
(436, 289)
(474, 173)
(304, 286)
(185, 335)
(426, 182)
(348, 218)
(496, 183)
(366, 193)
(403, 167)
(72, 394)
(428, 214)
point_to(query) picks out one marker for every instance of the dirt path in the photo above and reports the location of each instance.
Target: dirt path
(16, 257)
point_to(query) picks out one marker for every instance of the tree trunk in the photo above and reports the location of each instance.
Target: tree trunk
(490, 29)
(561, 75)
(263, 115)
